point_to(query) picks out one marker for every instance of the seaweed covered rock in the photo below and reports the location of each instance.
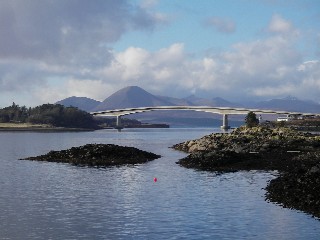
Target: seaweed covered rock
(97, 155)
(257, 148)
(256, 139)
(298, 190)
(296, 155)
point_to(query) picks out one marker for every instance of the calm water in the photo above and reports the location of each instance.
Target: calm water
(59, 201)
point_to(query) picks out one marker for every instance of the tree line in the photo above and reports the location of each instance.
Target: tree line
(53, 114)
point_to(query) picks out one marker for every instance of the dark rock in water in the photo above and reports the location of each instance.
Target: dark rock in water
(294, 154)
(299, 190)
(97, 155)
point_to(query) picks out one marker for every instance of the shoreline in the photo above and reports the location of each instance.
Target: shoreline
(21, 127)
(30, 127)
(43, 129)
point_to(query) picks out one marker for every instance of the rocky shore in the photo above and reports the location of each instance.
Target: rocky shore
(97, 155)
(296, 155)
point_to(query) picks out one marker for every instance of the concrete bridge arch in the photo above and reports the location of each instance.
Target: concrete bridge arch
(224, 111)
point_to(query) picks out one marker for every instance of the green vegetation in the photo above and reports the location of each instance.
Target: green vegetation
(52, 114)
(251, 120)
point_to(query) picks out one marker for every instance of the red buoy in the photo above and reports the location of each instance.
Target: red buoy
(155, 179)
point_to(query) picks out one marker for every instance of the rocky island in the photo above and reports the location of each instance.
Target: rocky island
(97, 155)
(296, 156)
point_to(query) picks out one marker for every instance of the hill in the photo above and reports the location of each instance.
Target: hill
(132, 96)
(83, 103)
(214, 102)
(291, 104)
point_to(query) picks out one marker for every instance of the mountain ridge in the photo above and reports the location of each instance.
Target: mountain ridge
(134, 96)
(291, 104)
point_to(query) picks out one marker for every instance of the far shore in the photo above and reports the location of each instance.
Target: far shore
(38, 128)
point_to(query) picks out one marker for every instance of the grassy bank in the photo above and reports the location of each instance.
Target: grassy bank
(24, 125)
(35, 127)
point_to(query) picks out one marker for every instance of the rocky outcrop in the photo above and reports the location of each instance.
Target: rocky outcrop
(296, 155)
(257, 139)
(99, 155)
(298, 189)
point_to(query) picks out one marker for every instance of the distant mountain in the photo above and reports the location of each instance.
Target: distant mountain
(291, 104)
(220, 102)
(196, 101)
(214, 102)
(175, 101)
(83, 103)
(132, 96)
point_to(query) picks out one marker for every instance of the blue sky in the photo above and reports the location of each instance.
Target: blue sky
(250, 17)
(236, 49)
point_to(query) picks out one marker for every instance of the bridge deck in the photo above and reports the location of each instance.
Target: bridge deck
(217, 110)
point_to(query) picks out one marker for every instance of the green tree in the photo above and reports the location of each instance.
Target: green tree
(53, 114)
(251, 120)
(60, 116)
(13, 113)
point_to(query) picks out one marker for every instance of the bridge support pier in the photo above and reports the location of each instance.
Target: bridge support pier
(118, 123)
(225, 122)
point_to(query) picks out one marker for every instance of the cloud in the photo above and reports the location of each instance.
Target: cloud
(270, 67)
(74, 59)
(223, 25)
(157, 70)
(16, 76)
(43, 38)
(149, 3)
(279, 25)
(310, 83)
(67, 32)
(259, 69)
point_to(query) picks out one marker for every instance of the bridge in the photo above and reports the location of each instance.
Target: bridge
(224, 111)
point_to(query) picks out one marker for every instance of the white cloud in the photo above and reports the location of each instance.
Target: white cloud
(270, 91)
(310, 83)
(137, 64)
(223, 25)
(95, 89)
(259, 69)
(279, 25)
(262, 68)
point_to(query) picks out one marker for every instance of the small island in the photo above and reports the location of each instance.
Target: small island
(98, 155)
(296, 156)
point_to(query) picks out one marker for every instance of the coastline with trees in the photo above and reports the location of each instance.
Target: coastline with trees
(45, 117)
(57, 117)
